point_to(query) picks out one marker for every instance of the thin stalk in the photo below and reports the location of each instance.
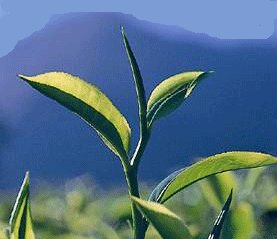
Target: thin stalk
(132, 171)
(132, 180)
(135, 160)
(133, 190)
(138, 221)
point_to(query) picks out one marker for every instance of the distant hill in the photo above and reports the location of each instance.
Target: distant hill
(233, 110)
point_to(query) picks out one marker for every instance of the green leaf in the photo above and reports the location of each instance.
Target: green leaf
(21, 222)
(171, 93)
(138, 81)
(221, 218)
(168, 224)
(89, 103)
(216, 164)
(158, 191)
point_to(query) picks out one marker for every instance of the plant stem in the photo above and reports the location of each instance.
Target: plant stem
(138, 221)
(132, 180)
(131, 174)
(132, 170)
(140, 149)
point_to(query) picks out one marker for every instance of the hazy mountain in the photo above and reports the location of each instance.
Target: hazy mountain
(233, 110)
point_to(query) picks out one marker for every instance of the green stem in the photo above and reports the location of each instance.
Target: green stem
(140, 149)
(131, 174)
(132, 171)
(138, 221)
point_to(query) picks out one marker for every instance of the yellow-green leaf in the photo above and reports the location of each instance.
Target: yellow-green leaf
(21, 221)
(89, 103)
(167, 223)
(216, 164)
(171, 93)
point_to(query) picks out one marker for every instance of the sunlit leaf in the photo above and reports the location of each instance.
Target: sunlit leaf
(220, 219)
(168, 224)
(216, 164)
(21, 222)
(89, 103)
(171, 93)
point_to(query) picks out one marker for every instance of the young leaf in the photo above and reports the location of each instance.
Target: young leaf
(216, 164)
(138, 81)
(21, 221)
(89, 103)
(171, 93)
(168, 224)
(220, 219)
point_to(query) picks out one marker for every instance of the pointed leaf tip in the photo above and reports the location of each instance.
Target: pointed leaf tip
(21, 221)
(218, 224)
(122, 29)
(22, 77)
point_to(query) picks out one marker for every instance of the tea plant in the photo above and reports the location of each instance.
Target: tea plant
(98, 111)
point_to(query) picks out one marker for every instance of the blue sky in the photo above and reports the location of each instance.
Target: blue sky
(220, 18)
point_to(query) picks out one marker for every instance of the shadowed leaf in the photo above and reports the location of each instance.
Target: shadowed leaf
(220, 219)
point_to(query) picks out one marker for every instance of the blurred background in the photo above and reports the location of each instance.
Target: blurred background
(235, 109)
(81, 210)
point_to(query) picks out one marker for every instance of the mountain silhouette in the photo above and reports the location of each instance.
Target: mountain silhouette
(234, 109)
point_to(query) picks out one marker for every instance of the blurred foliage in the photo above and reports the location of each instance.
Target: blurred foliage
(80, 210)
